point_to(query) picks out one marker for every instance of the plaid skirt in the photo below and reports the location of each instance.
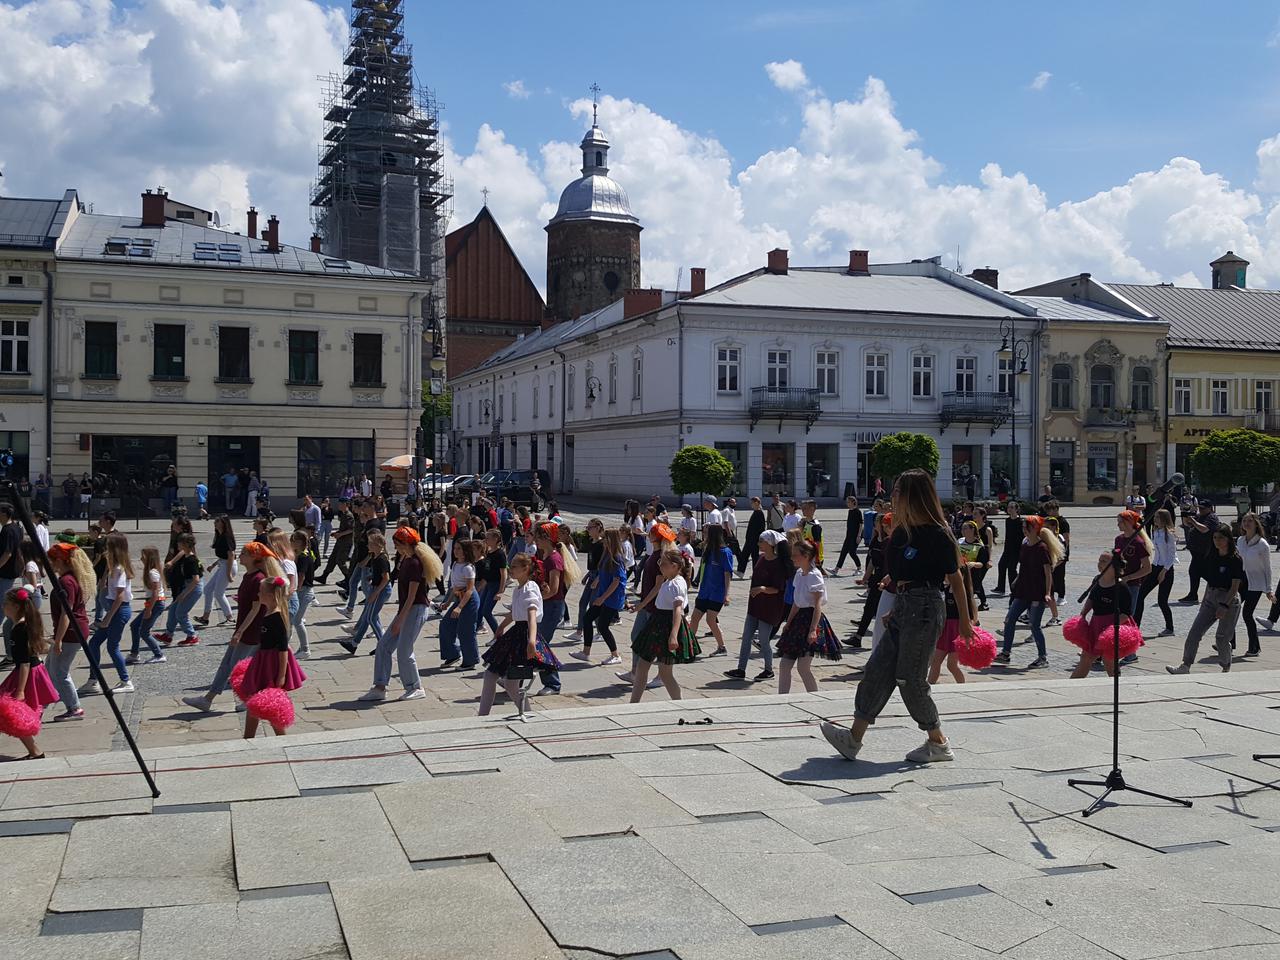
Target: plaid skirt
(794, 642)
(653, 643)
(513, 648)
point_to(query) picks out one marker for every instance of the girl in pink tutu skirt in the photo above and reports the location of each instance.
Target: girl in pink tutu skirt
(28, 683)
(273, 665)
(945, 649)
(1093, 631)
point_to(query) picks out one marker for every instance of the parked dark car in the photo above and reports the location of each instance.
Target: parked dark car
(518, 485)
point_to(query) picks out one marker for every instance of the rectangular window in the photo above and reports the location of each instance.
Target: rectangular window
(1221, 398)
(822, 472)
(568, 387)
(536, 385)
(1102, 467)
(736, 454)
(325, 463)
(922, 375)
(233, 353)
(826, 375)
(637, 376)
(877, 374)
(728, 362)
(100, 349)
(515, 400)
(1004, 375)
(304, 356)
(1262, 396)
(613, 380)
(15, 346)
(778, 369)
(19, 442)
(366, 363)
(778, 461)
(1182, 396)
(169, 351)
(966, 374)
(133, 461)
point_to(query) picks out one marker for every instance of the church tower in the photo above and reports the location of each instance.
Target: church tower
(593, 241)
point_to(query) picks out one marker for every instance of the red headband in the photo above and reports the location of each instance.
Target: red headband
(62, 549)
(551, 531)
(278, 581)
(1034, 522)
(23, 594)
(406, 535)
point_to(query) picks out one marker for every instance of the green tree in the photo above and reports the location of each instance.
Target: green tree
(1235, 458)
(896, 453)
(433, 407)
(699, 469)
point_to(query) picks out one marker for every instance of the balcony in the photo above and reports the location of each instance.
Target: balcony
(1264, 421)
(970, 407)
(785, 403)
(1116, 417)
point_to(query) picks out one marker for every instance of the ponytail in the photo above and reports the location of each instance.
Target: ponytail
(572, 574)
(23, 598)
(278, 587)
(432, 568)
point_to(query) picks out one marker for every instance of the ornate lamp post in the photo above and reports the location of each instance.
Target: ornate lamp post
(1016, 350)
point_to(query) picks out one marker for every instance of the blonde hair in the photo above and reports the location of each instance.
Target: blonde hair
(1051, 544)
(572, 575)
(432, 567)
(613, 544)
(79, 566)
(280, 594)
(117, 553)
(280, 545)
(679, 560)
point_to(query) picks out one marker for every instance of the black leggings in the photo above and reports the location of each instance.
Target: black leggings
(1008, 566)
(1162, 595)
(869, 608)
(979, 591)
(602, 618)
(1060, 580)
(849, 549)
(1251, 598)
(750, 552)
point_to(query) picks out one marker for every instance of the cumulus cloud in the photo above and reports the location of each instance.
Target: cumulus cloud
(1041, 80)
(516, 90)
(787, 75)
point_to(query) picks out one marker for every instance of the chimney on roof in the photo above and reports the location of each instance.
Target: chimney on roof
(272, 234)
(778, 262)
(636, 302)
(153, 207)
(1229, 271)
(859, 261)
(697, 281)
(315, 243)
(988, 275)
(253, 223)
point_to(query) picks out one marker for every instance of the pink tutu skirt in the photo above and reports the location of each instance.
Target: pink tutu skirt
(947, 641)
(264, 668)
(40, 691)
(1097, 637)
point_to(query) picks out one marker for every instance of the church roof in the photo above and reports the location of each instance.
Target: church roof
(595, 195)
(486, 279)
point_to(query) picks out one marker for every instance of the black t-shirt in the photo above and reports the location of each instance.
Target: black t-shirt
(22, 647)
(326, 513)
(923, 559)
(1219, 571)
(181, 572)
(221, 546)
(10, 541)
(594, 553)
(490, 567)
(1105, 600)
(274, 635)
(1012, 534)
(306, 563)
(379, 567)
(362, 538)
(853, 524)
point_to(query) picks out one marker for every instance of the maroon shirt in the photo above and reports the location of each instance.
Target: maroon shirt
(768, 607)
(1031, 585)
(410, 571)
(1132, 549)
(648, 577)
(246, 598)
(75, 603)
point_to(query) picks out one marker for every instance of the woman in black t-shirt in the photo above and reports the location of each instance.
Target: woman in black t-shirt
(921, 555)
(491, 577)
(1224, 576)
(184, 574)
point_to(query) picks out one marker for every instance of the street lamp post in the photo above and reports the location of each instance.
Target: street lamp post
(437, 364)
(1017, 349)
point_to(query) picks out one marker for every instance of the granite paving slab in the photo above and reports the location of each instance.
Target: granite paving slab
(729, 793)
(313, 839)
(921, 840)
(825, 943)
(451, 913)
(479, 745)
(937, 873)
(291, 928)
(123, 945)
(695, 762)
(1057, 944)
(64, 792)
(645, 902)
(28, 871)
(902, 933)
(990, 922)
(844, 821)
(170, 861)
(371, 761)
(226, 780)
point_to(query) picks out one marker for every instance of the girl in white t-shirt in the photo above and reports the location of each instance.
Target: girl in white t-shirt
(516, 644)
(807, 632)
(118, 594)
(31, 576)
(666, 638)
(154, 605)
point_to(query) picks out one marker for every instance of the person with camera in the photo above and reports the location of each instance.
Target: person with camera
(1198, 526)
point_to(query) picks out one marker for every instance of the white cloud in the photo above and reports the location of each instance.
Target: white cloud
(516, 90)
(1041, 80)
(1269, 164)
(787, 75)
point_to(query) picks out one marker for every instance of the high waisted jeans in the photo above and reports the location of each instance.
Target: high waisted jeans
(111, 632)
(370, 617)
(304, 597)
(230, 657)
(141, 630)
(460, 631)
(1035, 611)
(180, 612)
(402, 644)
(489, 600)
(762, 633)
(552, 611)
(901, 659)
(215, 591)
(59, 667)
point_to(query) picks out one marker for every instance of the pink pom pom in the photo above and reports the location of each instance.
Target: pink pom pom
(237, 676)
(978, 653)
(1077, 633)
(17, 719)
(1130, 641)
(272, 706)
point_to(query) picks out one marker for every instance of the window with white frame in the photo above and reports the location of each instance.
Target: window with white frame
(728, 366)
(15, 346)
(922, 375)
(1262, 396)
(826, 372)
(613, 379)
(1220, 397)
(876, 370)
(568, 388)
(1182, 396)
(1142, 389)
(637, 374)
(537, 388)
(778, 369)
(1004, 375)
(551, 395)
(966, 374)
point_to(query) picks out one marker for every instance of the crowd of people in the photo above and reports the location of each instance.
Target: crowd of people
(497, 577)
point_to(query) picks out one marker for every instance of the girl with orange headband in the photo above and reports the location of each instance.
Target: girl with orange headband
(1041, 551)
(75, 575)
(420, 566)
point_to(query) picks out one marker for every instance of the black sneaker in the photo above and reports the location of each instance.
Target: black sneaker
(762, 675)
(1038, 663)
(450, 662)
(736, 674)
(348, 646)
(1187, 599)
(1001, 658)
(854, 643)
(1131, 658)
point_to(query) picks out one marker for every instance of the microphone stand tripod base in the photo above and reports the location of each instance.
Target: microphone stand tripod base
(1114, 782)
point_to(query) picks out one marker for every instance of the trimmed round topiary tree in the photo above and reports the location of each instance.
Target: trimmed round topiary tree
(895, 453)
(699, 469)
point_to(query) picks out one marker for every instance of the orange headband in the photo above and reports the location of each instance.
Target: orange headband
(256, 550)
(663, 532)
(550, 530)
(406, 535)
(1034, 523)
(1133, 516)
(62, 550)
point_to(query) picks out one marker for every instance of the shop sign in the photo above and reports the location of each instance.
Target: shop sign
(864, 436)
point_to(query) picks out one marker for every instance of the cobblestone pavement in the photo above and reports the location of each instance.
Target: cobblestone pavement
(329, 699)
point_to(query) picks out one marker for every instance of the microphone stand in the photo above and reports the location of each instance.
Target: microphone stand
(1115, 779)
(9, 488)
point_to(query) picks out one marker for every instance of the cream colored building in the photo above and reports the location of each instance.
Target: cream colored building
(179, 343)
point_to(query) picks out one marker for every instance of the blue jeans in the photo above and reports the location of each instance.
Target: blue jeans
(369, 617)
(402, 643)
(59, 667)
(304, 598)
(1016, 608)
(489, 600)
(324, 534)
(552, 611)
(460, 632)
(6, 625)
(180, 612)
(141, 629)
(358, 582)
(755, 628)
(111, 633)
(232, 656)
(216, 590)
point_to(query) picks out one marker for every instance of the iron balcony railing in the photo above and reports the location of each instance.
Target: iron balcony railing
(786, 403)
(970, 406)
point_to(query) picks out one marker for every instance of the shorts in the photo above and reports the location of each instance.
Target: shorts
(708, 606)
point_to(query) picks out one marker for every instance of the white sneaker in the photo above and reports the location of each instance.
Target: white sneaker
(930, 752)
(575, 637)
(302, 655)
(842, 739)
(124, 686)
(581, 655)
(157, 658)
(417, 693)
(1179, 669)
(89, 689)
(203, 704)
(545, 692)
(374, 694)
(1264, 623)
(653, 684)
(624, 675)
(613, 658)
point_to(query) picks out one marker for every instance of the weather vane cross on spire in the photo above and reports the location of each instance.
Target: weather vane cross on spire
(595, 102)
(485, 193)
